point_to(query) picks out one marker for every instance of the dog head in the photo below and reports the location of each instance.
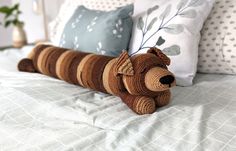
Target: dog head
(145, 74)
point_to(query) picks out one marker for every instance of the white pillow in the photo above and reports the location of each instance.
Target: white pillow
(56, 27)
(67, 9)
(174, 27)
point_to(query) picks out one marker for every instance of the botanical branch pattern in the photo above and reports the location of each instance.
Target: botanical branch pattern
(145, 24)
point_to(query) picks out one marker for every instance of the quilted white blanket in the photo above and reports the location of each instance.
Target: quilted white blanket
(41, 113)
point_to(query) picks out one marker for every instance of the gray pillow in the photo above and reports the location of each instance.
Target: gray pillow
(99, 32)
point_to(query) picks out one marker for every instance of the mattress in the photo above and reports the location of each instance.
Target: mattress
(42, 113)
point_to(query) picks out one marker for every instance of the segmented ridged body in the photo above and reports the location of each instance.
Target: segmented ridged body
(92, 71)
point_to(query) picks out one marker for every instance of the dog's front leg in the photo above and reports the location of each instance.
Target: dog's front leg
(139, 104)
(163, 98)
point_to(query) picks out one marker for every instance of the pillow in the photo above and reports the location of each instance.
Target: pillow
(217, 52)
(57, 25)
(100, 32)
(174, 27)
(69, 6)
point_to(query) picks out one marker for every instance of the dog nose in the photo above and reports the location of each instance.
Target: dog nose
(167, 79)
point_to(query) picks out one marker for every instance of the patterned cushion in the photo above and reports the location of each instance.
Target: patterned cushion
(106, 5)
(69, 6)
(173, 26)
(99, 32)
(217, 53)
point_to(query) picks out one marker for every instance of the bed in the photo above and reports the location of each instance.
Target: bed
(42, 113)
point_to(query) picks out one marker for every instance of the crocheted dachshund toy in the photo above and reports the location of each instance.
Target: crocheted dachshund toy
(141, 81)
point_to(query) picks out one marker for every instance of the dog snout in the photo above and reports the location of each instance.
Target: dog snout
(167, 79)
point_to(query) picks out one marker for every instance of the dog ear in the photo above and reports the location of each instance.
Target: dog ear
(160, 54)
(124, 65)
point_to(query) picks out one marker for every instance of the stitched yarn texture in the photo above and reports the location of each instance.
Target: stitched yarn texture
(102, 73)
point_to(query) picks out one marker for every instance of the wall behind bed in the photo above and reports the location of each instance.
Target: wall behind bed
(5, 35)
(33, 22)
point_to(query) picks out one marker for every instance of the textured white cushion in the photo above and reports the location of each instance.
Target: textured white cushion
(69, 6)
(57, 25)
(174, 27)
(217, 52)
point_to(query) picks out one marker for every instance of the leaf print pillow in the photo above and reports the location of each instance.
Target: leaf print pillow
(100, 32)
(174, 27)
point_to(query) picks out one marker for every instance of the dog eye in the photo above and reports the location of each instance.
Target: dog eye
(143, 70)
(162, 66)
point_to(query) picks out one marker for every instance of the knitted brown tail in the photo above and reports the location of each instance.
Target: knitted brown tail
(26, 65)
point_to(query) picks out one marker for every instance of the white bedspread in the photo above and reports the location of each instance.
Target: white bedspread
(41, 113)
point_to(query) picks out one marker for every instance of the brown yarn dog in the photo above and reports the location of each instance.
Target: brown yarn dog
(141, 81)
